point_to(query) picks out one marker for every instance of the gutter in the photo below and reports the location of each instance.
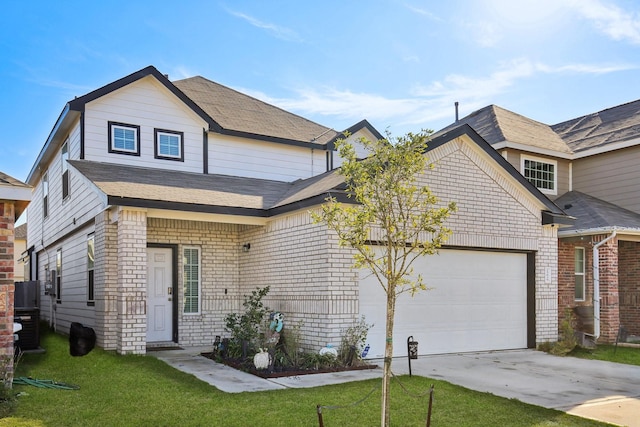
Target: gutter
(596, 284)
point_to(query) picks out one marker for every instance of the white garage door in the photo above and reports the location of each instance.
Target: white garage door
(477, 301)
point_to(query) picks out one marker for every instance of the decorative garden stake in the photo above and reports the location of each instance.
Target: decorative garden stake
(261, 359)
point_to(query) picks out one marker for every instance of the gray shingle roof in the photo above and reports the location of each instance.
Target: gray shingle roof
(620, 123)
(236, 111)
(183, 189)
(20, 232)
(592, 213)
(495, 125)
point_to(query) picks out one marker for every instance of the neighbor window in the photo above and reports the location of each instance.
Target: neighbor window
(579, 273)
(169, 145)
(64, 156)
(541, 173)
(191, 261)
(124, 138)
(58, 283)
(45, 195)
(90, 268)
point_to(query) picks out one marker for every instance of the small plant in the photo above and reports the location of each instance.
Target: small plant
(7, 395)
(567, 341)
(292, 339)
(245, 328)
(353, 340)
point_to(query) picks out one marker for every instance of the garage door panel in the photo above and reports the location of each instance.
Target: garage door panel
(477, 302)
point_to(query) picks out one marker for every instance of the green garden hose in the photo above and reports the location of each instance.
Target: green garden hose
(44, 383)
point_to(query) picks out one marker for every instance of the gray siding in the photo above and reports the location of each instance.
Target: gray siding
(613, 177)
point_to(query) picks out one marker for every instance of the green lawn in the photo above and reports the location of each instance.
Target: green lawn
(626, 355)
(143, 391)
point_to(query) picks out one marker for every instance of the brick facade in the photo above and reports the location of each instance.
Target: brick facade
(7, 216)
(629, 282)
(611, 273)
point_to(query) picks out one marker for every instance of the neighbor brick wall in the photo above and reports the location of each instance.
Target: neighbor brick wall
(7, 215)
(609, 299)
(629, 282)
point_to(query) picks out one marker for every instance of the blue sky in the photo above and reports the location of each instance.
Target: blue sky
(399, 64)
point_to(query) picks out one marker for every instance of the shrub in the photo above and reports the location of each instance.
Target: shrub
(245, 328)
(567, 341)
(354, 337)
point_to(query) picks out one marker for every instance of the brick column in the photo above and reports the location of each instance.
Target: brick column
(132, 281)
(7, 286)
(106, 281)
(609, 294)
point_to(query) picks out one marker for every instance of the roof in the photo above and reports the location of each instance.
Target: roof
(195, 192)
(497, 125)
(15, 191)
(595, 214)
(235, 111)
(20, 232)
(620, 123)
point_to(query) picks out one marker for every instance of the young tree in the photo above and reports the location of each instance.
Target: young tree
(393, 212)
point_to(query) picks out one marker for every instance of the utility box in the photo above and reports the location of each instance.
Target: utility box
(27, 313)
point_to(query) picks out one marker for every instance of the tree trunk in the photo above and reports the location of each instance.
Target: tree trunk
(388, 354)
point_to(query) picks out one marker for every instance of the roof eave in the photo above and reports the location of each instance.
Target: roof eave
(599, 230)
(532, 149)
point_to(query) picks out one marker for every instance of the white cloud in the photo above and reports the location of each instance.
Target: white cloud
(426, 103)
(612, 20)
(423, 12)
(277, 31)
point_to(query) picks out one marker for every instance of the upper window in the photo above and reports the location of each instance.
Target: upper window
(541, 173)
(124, 138)
(90, 269)
(191, 261)
(169, 145)
(64, 156)
(579, 274)
(45, 195)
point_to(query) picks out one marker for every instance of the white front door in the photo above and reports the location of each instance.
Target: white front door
(159, 295)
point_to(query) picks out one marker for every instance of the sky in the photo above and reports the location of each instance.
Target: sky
(401, 64)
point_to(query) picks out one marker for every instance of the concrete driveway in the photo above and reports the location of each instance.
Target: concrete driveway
(603, 391)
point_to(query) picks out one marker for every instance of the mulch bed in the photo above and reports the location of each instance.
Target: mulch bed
(285, 372)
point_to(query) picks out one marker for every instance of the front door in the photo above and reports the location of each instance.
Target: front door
(159, 294)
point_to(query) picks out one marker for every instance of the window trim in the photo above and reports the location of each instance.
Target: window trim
(156, 146)
(576, 274)
(554, 163)
(91, 269)
(66, 183)
(111, 126)
(184, 280)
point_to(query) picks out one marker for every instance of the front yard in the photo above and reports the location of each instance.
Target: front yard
(144, 391)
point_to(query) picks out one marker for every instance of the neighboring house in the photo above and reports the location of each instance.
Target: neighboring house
(159, 205)
(19, 248)
(14, 198)
(589, 167)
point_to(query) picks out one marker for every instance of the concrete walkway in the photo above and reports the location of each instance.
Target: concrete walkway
(603, 391)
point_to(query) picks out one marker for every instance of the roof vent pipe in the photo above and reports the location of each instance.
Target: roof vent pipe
(456, 105)
(596, 285)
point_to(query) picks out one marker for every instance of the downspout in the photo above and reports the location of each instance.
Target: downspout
(596, 284)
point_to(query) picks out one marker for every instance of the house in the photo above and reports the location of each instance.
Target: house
(588, 166)
(14, 198)
(19, 248)
(158, 205)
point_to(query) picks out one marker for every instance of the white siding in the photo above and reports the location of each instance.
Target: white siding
(354, 140)
(260, 159)
(73, 299)
(149, 105)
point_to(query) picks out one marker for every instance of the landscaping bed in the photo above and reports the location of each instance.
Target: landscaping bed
(280, 372)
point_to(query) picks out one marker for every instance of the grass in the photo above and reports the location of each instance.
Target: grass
(143, 391)
(626, 355)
